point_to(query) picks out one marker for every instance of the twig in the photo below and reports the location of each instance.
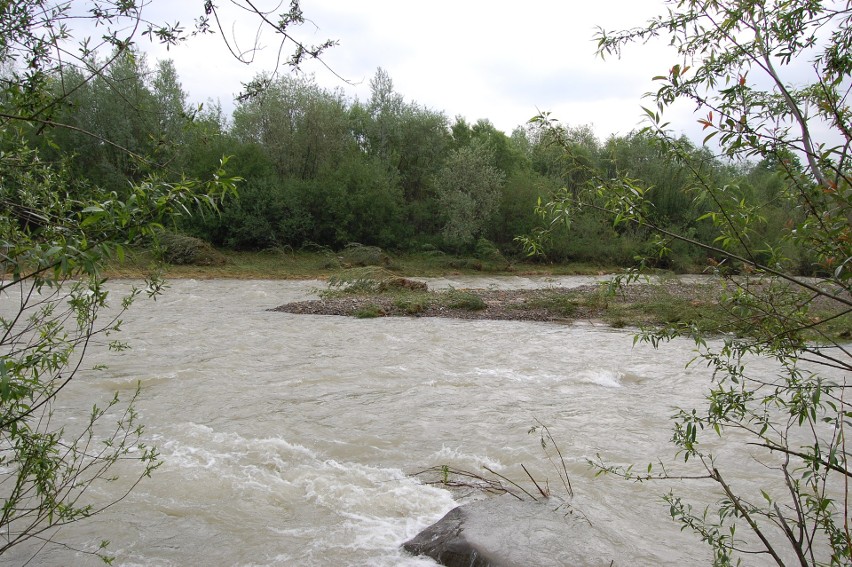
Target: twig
(543, 493)
(513, 483)
(566, 481)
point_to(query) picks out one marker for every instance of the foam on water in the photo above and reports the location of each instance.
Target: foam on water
(518, 375)
(367, 511)
(606, 377)
(462, 460)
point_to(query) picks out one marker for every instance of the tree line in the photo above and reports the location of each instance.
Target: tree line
(320, 168)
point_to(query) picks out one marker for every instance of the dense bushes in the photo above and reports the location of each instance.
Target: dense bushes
(319, 168)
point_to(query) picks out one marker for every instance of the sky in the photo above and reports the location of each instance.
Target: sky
(500, 60)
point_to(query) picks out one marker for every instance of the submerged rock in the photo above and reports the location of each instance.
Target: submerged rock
(507, 532)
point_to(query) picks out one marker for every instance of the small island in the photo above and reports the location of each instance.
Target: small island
(629, 305)
(669, 301)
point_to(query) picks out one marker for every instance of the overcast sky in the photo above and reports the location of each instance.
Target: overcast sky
(498, 60)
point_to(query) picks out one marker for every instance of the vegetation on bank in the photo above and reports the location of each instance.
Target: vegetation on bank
(318, 168)
(368, 282)
(706, 308)
(324, 263)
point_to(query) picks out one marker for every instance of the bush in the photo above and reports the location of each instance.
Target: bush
(179, 249)
(355, 254)
(486, 250)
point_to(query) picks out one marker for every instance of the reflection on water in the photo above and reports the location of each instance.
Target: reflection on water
(289, 440)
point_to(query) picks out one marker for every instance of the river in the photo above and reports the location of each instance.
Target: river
(290, 439)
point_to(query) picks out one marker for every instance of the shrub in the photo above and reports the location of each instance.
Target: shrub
(355, 254)
(179, 249)
(486, 250)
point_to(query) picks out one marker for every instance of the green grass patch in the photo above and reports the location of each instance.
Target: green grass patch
(562, 304)
(658, 308)
(322, 263)
(460, 299)
(369, 311)
(413, 303)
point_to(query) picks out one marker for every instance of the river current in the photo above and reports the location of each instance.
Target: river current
(291, 439)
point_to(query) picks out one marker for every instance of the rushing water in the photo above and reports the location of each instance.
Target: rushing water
(290, 439)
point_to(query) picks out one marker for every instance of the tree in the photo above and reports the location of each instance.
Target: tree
(385, 109)
(409, 140)
(506, 158)
(303, 128)
(468, 188)
(57, 232)
(171, 112)
(771, 81)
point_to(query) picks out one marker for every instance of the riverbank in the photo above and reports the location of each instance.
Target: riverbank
(285, 264)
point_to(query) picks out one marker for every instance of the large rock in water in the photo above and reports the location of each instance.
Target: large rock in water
(507, 532)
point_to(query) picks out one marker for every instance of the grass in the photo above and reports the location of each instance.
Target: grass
(461, 299)
(562, 304)
(662, 308)
(323, 263)
(267, 265)
(369, 311)
(412, 303)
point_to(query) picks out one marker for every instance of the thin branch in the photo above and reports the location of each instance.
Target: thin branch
(542, 492)
(513, 483)
(804, 456)
(735, 500)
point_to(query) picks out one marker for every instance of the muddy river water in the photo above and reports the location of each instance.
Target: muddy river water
(291, 439)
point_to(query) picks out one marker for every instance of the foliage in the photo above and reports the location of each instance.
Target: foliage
(744, 64)
(468, 188)
(182, 250)
(308, 177)
(362, 279)
(63, 101)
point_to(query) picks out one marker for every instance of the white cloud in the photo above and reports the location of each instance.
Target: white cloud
(498, 60)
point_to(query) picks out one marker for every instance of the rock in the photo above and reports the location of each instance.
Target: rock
(507, 532)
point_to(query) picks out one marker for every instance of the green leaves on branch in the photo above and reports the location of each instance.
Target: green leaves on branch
(55, 236)
(744, 65)
(468, 188)
(87, 141)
